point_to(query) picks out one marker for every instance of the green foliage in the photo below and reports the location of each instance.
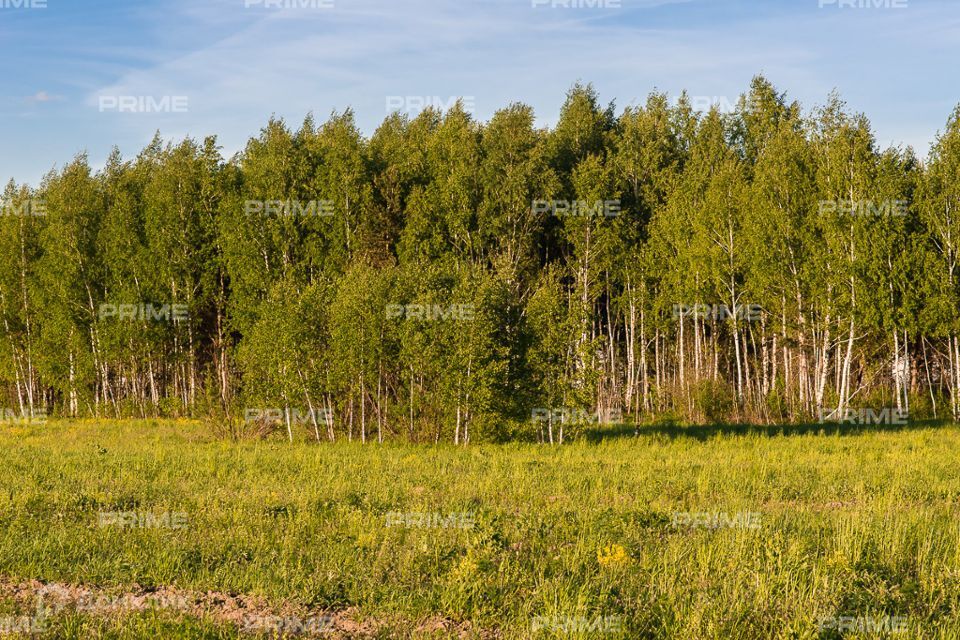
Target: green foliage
(446, 278)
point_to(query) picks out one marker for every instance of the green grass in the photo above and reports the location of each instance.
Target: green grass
(861, 524)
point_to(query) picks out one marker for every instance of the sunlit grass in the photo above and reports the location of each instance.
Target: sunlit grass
(858, 527)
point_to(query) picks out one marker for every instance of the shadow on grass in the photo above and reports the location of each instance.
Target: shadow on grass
(707, 431)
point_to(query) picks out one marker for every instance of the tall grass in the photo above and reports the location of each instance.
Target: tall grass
(855, 527)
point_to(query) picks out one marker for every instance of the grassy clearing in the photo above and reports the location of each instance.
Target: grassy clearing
(856, 529)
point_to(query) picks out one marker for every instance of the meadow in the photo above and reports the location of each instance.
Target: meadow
(671, 532)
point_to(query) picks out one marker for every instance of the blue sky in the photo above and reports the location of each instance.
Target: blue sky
(237, 65)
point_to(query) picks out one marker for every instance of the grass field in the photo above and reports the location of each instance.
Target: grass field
(675, 533)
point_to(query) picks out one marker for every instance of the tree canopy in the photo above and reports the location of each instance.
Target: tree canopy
(456, 280)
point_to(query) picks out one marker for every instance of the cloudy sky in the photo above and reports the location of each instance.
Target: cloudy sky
(226, 66)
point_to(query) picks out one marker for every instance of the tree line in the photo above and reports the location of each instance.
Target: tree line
(446, 279)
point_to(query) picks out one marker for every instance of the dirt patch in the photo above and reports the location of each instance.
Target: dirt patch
(250, 614)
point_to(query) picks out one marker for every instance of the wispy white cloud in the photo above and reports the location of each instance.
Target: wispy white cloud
(237, 65)
(292, 61)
